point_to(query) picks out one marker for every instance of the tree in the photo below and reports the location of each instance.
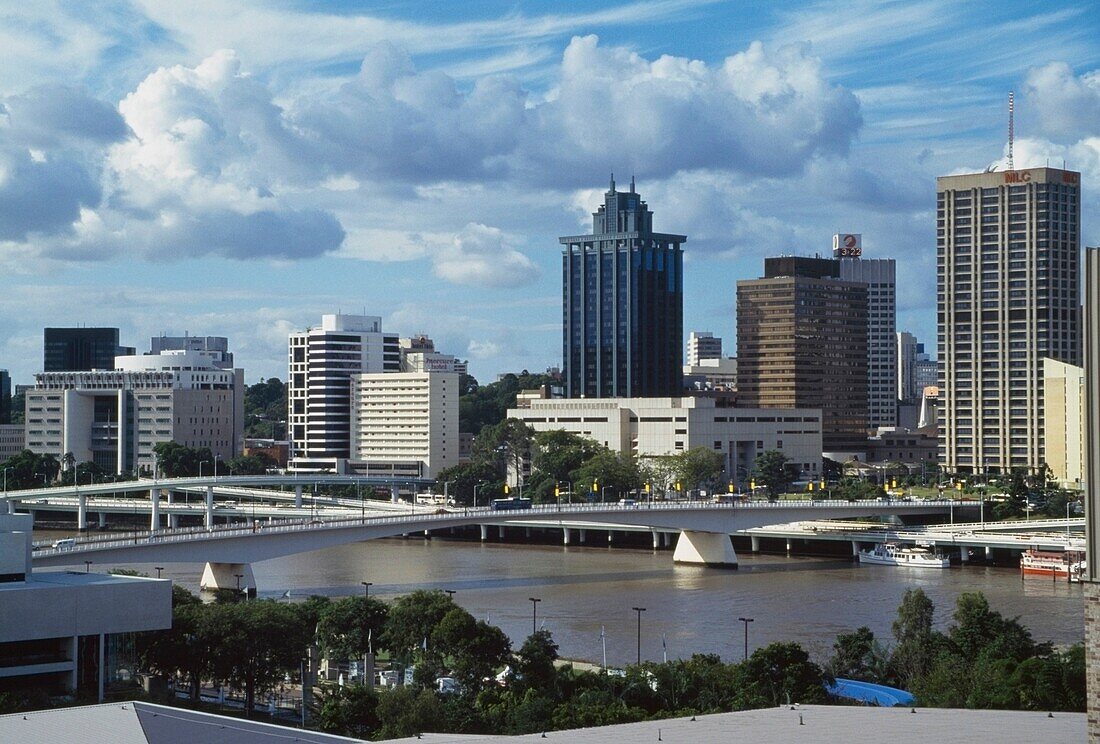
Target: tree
(350, 710)
(699, 467)
(855, 656)
(265, 407)
(349, 628)
(618, 473)
(177, 460)
(773, 471)
(487, 405)
(462, 480)
(412, 619)
(979, 630)
(256, 464)
(776, 672)
(535, 662)
(506, 445)
(406, 711)
(185, 649)
(559, 453)
(30, 470)
(916, 643)
(475, 649)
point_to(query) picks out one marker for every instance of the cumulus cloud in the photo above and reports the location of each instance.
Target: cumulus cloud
(479, 257)
(1064, 104)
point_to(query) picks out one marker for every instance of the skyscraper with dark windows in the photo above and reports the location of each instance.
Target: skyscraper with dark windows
(81, 349)
(622, 304)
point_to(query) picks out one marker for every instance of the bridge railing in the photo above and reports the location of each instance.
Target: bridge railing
(418, 519)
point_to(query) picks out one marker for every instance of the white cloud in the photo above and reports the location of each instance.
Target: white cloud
(483, 349)
(1064, 104)
(479, 257)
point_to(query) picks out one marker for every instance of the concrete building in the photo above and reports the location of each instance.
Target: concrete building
(651, 427)
(278, 451)
(81, 349)
(623, 304)
(215, 348)
(703, 345)
(802, 343)
(5, 397)
(1064, 421)
(404, 424)
(66, 632)
(882, 353)
(321, 363)
(915, 370)
(711, 374)
(916, 449)
(1091, 344)
(115, 417)
(1008, 298)
(12, 440)
(418, 354)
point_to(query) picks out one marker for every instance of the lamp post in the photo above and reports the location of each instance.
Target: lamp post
(238, 577)
(746, 621)
(158, 569)
(477, 486)
(366, 588)
(639, 610)
(534, 613)
(201, 463)
(6, 481)
(87, 566)
(450, 593)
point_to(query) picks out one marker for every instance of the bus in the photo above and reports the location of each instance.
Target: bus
(512, 504)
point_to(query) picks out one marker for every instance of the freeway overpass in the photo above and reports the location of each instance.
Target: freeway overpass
(704, 529)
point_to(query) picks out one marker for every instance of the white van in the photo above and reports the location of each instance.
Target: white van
(65, 543)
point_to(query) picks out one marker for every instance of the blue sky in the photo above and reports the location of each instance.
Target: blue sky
(241, 168)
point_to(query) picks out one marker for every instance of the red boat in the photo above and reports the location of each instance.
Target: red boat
(1051, 564)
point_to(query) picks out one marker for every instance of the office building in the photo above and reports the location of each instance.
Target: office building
(418, 354)
(882, 354)
(404, 423)
(13, 440)
(321, 362)
(5, 397)
(68, 632)
(703, 345)
(915, 370)
(215, 348)
(81, 349)
(1007, 296)
(114, 418)
(711, 374)
(622, 304)
(1064, 422)
(802, 337)
(652, 427)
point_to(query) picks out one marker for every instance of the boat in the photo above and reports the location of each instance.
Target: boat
(889, 554)
(1052, 564)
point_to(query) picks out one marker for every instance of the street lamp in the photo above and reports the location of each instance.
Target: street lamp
(746, 621)
(366, 588)
(239, 577)
(534, 613)
(158, 569)
(87, 566)
(477, 486)
(201, 463)
(450, 593)
(639, 610)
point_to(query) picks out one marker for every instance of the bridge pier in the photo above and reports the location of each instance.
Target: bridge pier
(656, 540)
(82, 512)
(855, 548)
(755, 544)
(484, 532)
(988, 553)
(217, 576)
(500, 532)
(565, 536)
(298, 496)
(102, 519)
(964, 554)
(154, 513)
(173, 519)
(581, 539)
(209, 518)
(395, 494)
(705, 548)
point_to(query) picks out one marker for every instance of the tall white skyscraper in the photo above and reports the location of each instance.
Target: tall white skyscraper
(322, 361)
(1007, 296)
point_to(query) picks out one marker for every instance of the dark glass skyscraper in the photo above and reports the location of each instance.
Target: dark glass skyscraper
(622, 304)
(81, 349)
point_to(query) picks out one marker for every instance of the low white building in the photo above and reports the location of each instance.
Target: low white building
(115, 417)
(650, 427)
(404, 423)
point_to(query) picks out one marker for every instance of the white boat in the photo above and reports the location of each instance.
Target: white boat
(895, 555)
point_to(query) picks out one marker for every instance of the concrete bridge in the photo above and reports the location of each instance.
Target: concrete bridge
(703, 527)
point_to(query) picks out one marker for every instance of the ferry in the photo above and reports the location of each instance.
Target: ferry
(895, 555)
(1068, 565)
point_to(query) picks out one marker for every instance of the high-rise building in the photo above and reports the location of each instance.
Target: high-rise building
(703, 345)
(215, 348)
(115, 417)
(322, 361)
(81, 349)
(882, 356)
(1064, 422)
(802, 343)
(1007, 245)
(915, 370)
(5, 397)
(623, 303)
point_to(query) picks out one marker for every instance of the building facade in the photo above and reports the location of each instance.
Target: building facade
(5, 397)
(703, 345)
(404, 424)
(802, 343)
(711, 374)
(653, 427)
(321, 362)
(215, 348)
(13, 440)
(114, 418)
(1007, 298)
(882, 354)
(622, 314)
(81, 349)
(1064, 422)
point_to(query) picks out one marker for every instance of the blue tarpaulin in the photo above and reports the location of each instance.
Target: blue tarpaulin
(872, 694)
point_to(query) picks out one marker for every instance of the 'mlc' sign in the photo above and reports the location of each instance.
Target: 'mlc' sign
(1017, 176)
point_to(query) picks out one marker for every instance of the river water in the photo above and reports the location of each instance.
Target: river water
(804, 599)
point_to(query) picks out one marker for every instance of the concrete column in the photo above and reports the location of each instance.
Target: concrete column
(82, 512)
(209, 520)
(73, 649)
(173, 519)
(565, 536)
(484, 532)
(101, 677)
(988, 553)
(298, 497)
(755, 542)
(788, 545)
(102, 519)
(964, 554)
(217, 576)
(427, 534)
(154, 515)
(855, 548)
(610, 534)
(582, 535)
(656, 540)
(394, 494)
(500, 532)
(527, 532)
(705, 548)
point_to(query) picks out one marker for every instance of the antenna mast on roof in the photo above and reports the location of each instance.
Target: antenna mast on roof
(1011, 126)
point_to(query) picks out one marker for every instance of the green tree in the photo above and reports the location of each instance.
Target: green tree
(412, 619)
(916, 643)
(856, 656)
(474, 649)
(350, 710)
(979, 630)
(487, 405)
(463, 478)
(265, 409)
(257, 464)
(617, 473)
(773, 471)
(406, 711)
(777, 671)
(535, 663)
(506, 445)
(185, 650)
(176, 460)
(349, 628)
(559, 453)
(699, 467)
(29, 470)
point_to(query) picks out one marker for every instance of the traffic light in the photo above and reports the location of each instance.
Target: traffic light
(810, 486)
(730, 487)
(647, 488)
(557, 491)
(752, 485)
(677, 485)
(506, 489)
(893, 483)
(959, 486)
(822, 485)
(595, 486)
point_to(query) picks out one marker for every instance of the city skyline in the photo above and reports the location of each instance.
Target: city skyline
(245, 193)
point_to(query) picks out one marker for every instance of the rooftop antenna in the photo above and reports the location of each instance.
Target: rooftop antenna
(632, 183)
(612, 189)
(1011, 126)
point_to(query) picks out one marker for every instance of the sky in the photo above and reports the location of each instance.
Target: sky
(242, 168)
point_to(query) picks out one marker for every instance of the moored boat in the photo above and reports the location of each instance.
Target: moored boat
(889, 554)
(1052, 564)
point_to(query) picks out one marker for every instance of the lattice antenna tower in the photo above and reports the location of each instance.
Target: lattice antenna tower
(1011, 126)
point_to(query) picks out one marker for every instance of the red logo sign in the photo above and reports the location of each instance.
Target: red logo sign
(1017, 176)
